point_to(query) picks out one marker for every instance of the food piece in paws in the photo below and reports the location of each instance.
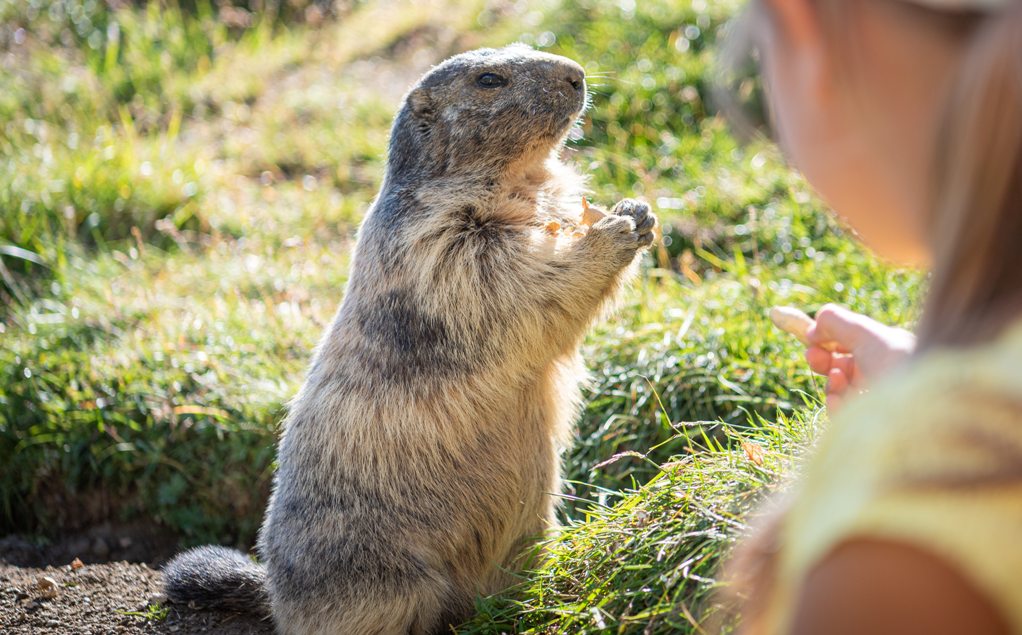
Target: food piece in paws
(590, 215)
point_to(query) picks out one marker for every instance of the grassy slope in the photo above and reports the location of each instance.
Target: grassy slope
(182, 196)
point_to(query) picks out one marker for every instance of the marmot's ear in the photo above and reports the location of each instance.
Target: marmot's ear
(421, 103)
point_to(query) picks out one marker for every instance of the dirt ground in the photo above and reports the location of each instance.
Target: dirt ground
(41, 591)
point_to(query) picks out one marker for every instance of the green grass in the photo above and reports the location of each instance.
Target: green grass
(178, 199)
(151, 613)
(648, 563)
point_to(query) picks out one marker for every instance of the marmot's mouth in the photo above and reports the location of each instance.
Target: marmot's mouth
(567, 123)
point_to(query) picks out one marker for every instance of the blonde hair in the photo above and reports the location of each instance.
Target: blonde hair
(976, 289)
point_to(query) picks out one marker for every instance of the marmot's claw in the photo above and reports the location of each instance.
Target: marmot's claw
(638, 211)
(646, 224)
(646, 239)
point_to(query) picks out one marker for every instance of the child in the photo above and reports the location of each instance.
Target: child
(906, 116)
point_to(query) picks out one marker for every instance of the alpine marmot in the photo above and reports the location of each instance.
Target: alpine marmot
(421, 456)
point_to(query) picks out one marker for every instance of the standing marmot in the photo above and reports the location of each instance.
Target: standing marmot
(422, 454)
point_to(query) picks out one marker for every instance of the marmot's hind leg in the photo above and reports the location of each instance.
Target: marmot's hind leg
(419, 611)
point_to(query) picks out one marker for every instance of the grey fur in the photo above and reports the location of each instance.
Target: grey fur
(421, 456)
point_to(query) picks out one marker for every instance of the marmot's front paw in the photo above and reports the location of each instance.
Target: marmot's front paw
(622, 234)
(641, 215)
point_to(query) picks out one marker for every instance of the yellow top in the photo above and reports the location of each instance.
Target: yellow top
(932, 458)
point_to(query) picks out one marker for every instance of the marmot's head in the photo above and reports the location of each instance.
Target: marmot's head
(485, 109)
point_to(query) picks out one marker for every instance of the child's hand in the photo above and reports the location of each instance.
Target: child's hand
(865, 349)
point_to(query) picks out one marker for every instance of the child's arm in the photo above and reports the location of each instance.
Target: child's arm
(865, 349)
(886, 588)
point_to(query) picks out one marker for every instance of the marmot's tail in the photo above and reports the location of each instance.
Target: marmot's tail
(217, 577)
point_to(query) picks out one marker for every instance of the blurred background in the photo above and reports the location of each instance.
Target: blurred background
(180, 186)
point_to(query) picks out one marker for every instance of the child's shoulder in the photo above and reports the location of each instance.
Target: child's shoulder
(930, 457)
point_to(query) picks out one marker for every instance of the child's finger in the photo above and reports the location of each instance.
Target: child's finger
(845, 364)
(837, 382)
(819, 360)
(837, 386)
(839, 325)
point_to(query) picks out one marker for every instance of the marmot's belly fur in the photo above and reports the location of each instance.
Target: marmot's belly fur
(420, 459)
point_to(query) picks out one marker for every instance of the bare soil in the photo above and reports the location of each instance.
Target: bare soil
(41, 591)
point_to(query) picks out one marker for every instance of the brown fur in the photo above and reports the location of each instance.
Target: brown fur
(422, 454)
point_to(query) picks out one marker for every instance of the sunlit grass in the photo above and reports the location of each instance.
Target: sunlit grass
(648, 563)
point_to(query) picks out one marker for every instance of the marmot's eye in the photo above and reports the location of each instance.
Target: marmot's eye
(491, 80)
